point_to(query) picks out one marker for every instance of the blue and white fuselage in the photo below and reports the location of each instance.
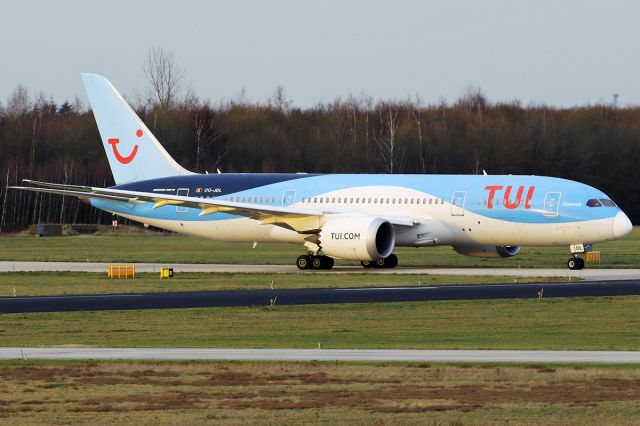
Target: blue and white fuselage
(458, 210)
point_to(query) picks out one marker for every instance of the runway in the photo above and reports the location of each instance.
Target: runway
(228, 298)
(586, 274)
(373, 355)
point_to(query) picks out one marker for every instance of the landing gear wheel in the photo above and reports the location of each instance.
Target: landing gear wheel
(575, 263)
(391, 261)
(328, 262)
(303, 262)
(322, 262)
(316, 262)
(366, 264)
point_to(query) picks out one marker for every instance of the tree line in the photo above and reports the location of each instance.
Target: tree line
(595, 144)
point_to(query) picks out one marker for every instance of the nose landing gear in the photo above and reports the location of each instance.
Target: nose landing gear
(576, 263)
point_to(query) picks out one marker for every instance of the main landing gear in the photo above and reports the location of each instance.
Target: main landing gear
(309, 261)
(390, 261)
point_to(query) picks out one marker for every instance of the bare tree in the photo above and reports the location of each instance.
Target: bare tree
(386, 140)
(415, 110)
(279, 100)
(165, 77)
(207, 136)
(18, 102)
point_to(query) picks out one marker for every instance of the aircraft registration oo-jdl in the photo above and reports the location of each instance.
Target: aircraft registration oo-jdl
(336, 216)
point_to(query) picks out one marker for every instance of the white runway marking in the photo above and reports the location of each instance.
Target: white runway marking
(507, 356)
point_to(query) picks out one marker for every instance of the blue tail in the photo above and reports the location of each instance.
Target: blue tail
(134, 153)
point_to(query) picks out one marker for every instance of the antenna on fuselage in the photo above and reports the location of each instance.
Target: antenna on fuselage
(219, 172)
(484, 172)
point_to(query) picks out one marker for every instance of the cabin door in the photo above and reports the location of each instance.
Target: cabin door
(288, 197)
(182, 192)
(457, 203)
(551, 204)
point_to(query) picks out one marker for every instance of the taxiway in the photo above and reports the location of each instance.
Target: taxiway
(227, 298)
(377, 355)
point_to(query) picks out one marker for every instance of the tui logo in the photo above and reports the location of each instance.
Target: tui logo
(122, 158)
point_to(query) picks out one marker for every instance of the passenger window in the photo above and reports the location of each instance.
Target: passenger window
(594, 203)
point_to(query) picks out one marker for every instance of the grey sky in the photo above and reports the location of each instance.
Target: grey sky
(556, 52)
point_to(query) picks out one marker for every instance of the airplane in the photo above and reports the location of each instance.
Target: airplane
(359, 217)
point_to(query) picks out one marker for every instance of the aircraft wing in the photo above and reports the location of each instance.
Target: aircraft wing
(300, 220)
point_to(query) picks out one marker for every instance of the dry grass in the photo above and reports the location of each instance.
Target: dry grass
(289, 393)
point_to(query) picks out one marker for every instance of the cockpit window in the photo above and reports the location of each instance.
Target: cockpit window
(607, 203)
(594, 203)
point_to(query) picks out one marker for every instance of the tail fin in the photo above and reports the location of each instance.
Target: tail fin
(134, 153)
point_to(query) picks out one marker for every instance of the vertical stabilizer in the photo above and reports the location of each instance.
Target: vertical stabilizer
(134, 153)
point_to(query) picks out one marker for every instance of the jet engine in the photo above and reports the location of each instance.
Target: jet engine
(488, 251)
(357, 238)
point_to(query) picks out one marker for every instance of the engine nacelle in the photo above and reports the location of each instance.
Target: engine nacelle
(488, 251)
(358, 238)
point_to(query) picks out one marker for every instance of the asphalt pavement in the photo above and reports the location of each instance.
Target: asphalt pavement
(377, 355)
(228, 298)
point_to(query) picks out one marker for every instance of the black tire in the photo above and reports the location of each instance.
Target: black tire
(391, 261)
(366, 264)
(380, 263)
(328, 262)
(580, 264)
(572, 264)
(303, 262)
(317, 262)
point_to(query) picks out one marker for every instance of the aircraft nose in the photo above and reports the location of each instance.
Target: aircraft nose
(621, 225)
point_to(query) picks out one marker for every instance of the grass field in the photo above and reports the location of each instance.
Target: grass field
(167, 248)
(303, 393)
(58, 283)
(605, 323)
